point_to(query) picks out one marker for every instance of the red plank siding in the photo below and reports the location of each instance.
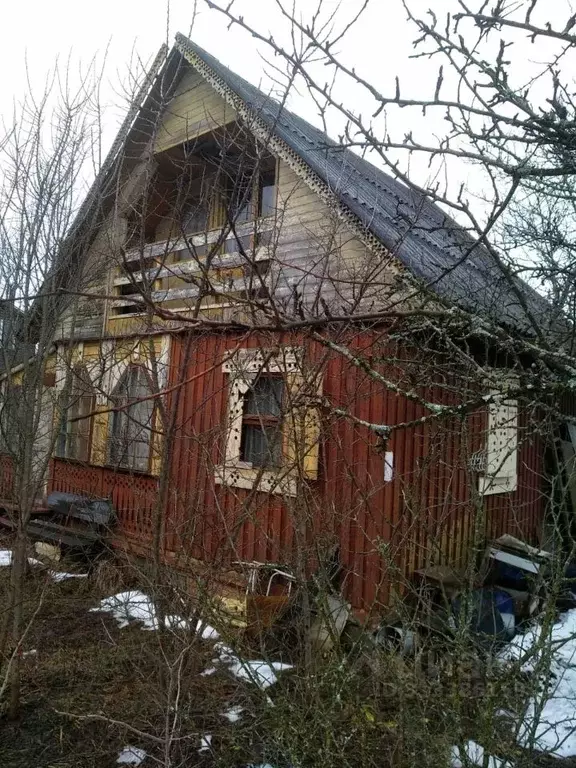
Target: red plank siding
(428, 514)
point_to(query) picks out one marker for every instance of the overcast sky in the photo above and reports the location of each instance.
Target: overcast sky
(379, 47)
(39, 31)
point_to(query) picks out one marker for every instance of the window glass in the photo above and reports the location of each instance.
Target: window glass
(131, 431)
(267, 197)
(76, 409)
(261, 440)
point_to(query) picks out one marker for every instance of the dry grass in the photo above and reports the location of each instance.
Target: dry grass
(348, 711)
(84, 664)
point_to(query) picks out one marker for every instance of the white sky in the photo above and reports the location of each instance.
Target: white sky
(379, 47)
(38, 32)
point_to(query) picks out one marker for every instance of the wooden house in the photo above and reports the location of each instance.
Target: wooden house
(231, 368)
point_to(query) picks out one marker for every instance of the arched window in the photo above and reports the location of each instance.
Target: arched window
(131, 424)
(76, 408)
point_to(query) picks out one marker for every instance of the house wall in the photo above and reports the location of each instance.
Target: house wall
(314, 258)
(36, 401)
(194, 109)
(105, 361)
(318, 256)
(83, 316)
(427, 514)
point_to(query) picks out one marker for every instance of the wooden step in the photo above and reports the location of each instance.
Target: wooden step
(49, 525)
(68, 538)
(39, 507)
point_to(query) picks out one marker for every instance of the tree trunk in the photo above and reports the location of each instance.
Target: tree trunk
(17, 579)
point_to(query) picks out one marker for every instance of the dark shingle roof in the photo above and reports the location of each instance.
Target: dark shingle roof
(428, 242)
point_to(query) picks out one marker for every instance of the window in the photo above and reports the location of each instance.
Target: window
(10, 417)
(261, 441)
(501, 475)
(131, 423)
(252, 194)
(267, 193)
(272, 437)
(133, 290)
(76, 409)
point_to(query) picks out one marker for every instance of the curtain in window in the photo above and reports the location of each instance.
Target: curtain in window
(131, 431)
(76, 408)
(261, 440)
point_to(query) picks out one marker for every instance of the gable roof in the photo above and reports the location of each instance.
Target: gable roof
(432, 247)
(428, 242)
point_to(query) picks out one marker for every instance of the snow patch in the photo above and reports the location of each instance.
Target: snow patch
(226, 654)
(205, 631)
(56, 576)
(131, 756)
(137, 606)
(473, 754)
(549, 723)
(5, 557)
(261, 673)
(259, 765)
(233, 714)
(128, 606)
(205, 742)
(61, 576)
(208, 671)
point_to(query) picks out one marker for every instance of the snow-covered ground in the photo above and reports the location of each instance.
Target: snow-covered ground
(549, 723)
(233, 714)
(261, 673)
(131, 756)
(5, 557)
(473, 754)
(137, 606)
(6, 560)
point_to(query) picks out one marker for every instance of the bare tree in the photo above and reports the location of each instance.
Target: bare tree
(196, 250)
(48, 153)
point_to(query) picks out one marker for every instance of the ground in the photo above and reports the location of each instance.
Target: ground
(80, 662)
(94, 683)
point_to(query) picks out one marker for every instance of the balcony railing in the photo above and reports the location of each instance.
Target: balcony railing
(183, 262)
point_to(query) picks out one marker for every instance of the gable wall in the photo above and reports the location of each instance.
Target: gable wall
(313, 255)
(194, 109)
(319, 255)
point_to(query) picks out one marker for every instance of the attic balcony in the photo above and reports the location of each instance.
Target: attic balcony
(209, 214)
(239, 265)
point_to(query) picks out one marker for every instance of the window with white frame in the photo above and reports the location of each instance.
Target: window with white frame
(130, 437)
(501, 466)
(272, 434)
(261, 439)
